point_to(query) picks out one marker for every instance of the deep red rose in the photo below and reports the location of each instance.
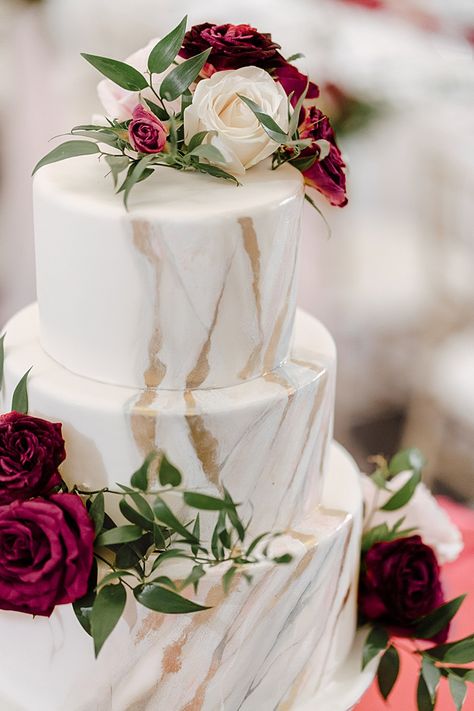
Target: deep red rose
(399, 584)
(46, 552)
(294, 82)
(31, 451)
(233, 46)
(236, 46)
(327, 175)
(147, 134)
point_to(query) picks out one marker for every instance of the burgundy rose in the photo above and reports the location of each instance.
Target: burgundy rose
(233, 46)
(236, 46)
(400, 583)
(326, 175)
(46, 551)
(147, 134)
(31, 451)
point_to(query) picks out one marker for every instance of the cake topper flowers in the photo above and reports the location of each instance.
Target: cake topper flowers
(218, 99)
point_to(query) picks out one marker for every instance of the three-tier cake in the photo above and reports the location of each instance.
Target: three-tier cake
(173, 326)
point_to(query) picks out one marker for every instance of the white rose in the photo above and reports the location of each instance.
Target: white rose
(217, 107)
(421, 512)
(119, 103)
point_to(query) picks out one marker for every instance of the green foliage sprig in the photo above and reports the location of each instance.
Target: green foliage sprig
(133, 553)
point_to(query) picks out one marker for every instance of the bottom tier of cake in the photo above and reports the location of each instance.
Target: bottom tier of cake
(268, 645)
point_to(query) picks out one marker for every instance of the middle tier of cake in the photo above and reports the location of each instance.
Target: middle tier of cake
(265, 440)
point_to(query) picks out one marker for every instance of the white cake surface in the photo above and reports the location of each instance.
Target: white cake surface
(270, 645)
(266, 440)
(193, 287)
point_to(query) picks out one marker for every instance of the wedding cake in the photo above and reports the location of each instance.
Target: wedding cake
(168, 324)
(172, 326)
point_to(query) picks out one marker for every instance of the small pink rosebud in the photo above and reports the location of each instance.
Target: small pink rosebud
(147, 134)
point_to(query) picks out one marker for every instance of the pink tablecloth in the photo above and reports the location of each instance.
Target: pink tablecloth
(458, 578)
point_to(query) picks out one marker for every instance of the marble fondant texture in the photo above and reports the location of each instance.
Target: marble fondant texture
(268, 646)
(194, 287)
(266, 440)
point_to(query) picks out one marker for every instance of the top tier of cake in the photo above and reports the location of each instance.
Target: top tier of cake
(193, 287)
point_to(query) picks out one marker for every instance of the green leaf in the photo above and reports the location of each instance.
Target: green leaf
(159, 111)
(375, 535)
(168, 474)
(228, 577)
(209, 152)
(377, 641)
(276, 133)
(139, 479)
(304, 163)
(459, 652)
(205, 502)
(120, 73)
(431, 675)
(198, 138)
(194, 577)
(162, 55)
(107, 137)
(255, 543)
(164, 514)
(387, 672)
(116, 575)
(163, 600)
(295, 56)
(117, 165)
(2, 359)
(138, 172)
(295, 117)
(20, 395)
(97, 512)
(83, 607)
(458, 690)
(142, 504)
(463, 672)
(121, 534)
(186, 100)
(406, 459)
(423, 697)
(134, 516)
(429, 626)
(216, 172)
(283, 559)
(379, 478)
(403, 495)
(180, 78)
(68, 149)
(166, 555)
(216, 545)
(309, 199)
(196, 534)
(106, 612)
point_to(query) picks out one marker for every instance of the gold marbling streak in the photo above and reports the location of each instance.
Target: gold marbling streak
(252, 249)
(204, 443)
(142, 239)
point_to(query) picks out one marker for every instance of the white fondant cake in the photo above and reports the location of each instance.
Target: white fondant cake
(170, 327)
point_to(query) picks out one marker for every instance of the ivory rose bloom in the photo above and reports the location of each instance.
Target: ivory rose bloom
(239, 136)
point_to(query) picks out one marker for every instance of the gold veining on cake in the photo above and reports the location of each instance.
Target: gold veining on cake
(143, 422)
(199, 373)
(252, 249)
(142, 239)
(204, 443)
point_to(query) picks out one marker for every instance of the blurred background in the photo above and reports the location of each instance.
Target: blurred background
(395, 281)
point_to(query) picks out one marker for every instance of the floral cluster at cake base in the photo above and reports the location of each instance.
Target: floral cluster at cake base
(407, 537)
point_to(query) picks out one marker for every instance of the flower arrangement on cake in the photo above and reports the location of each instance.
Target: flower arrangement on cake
(218, 99)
